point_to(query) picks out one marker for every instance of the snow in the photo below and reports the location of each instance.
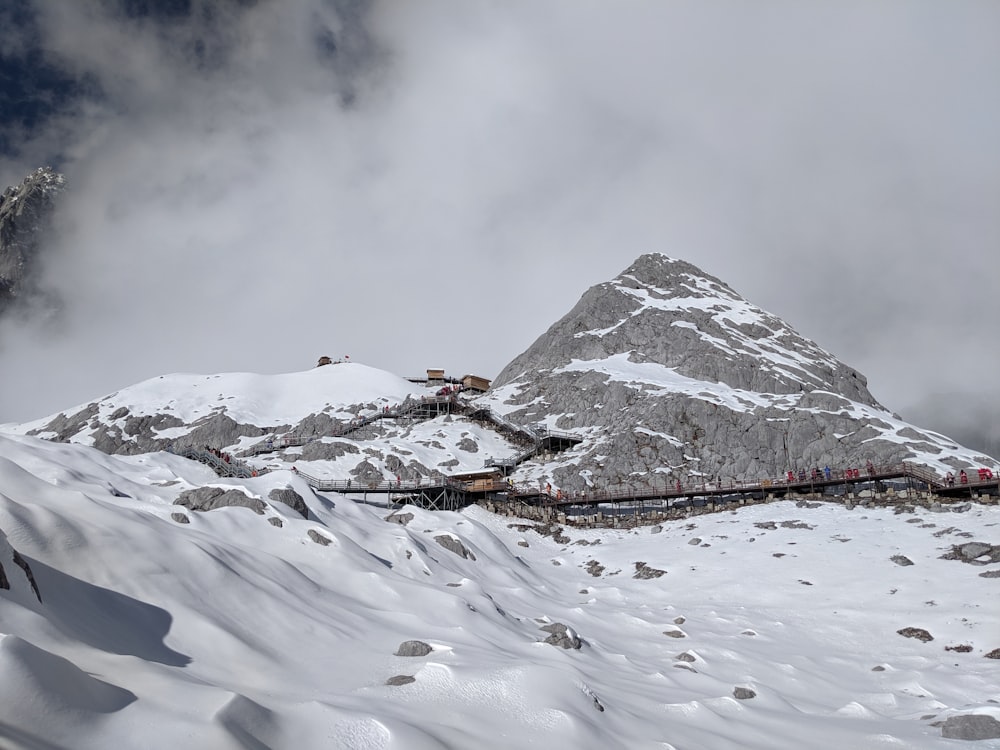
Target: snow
(262, 399)
(229, 632)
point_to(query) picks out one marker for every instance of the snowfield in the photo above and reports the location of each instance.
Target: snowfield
(231, 632)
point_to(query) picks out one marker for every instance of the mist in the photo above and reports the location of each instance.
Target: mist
(252, 185)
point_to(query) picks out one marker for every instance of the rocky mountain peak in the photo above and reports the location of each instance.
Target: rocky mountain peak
(24, 212)
(669, 312)
(668, 370)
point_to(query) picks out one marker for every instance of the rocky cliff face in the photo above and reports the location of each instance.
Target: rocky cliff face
(24, 212)
(672, 374)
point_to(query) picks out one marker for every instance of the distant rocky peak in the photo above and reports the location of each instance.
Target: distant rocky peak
(669, 312)
(25, 211)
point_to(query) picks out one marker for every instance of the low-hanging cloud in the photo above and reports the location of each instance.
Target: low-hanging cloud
(433, 184)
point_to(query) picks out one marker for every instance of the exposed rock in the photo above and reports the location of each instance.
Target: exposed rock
(7, 575)
(918, 633)
(291, 498)
(990, 574)
(655, 529)
(675, 633)
(204, 499)
(594, 568)
(562, 636)
(401, 679)
(686, 656)
(522, 543)
(971, 727)
(694, 542)
(962, 648)
(452, 544)
(743, 693)
(320, 539)
(275, 521)
(643, 571)
(994, 654)
(25, 213)
(413, 648)
(679, 620)
(974, 553)
(180, 517)
(401, 518)
(901, 560)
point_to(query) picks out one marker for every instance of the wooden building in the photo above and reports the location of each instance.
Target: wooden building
(435, 376)
(475, 383)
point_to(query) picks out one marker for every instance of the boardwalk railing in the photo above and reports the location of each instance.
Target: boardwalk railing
(231, 468)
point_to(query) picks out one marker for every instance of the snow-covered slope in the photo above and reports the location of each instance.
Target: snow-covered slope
(230, 631)
(233, 412)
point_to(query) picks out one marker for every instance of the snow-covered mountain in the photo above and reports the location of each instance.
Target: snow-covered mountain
(145, 601)
(669, 372)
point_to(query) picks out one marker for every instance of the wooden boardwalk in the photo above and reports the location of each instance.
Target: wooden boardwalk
(440, 492)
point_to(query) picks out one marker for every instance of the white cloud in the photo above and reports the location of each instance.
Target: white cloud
(450, 181)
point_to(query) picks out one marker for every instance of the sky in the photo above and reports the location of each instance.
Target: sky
(252, 185)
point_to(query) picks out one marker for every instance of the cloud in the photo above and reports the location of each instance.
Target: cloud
(433, 184)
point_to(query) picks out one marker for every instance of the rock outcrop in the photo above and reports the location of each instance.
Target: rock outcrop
(15, 572)
(25, 211)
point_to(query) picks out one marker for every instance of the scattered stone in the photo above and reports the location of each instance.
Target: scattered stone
(769, 525)
(275, 521)
(400, 679)
(963, 508)
(583, 591)
(805, 583)
(694, 541)
(413, 648)
(683, 665)
(686, 656)
(522, 543)
(594, 568)
(204, 499)
(971, 727)
(452, 544)
(401, 518)
(180, 517)
(990, 574)
(962, 648)
(679, 620)
(562, 636)
(320, 539)
(644, 572)
(777, 554)
(918, 633)
(743, 694)
(901, 560)
(796, 525)
(655, 529)
(994, 654)
(675, 633)
(878, 668)
(973, 553)
(748, 632)
(291, 498)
